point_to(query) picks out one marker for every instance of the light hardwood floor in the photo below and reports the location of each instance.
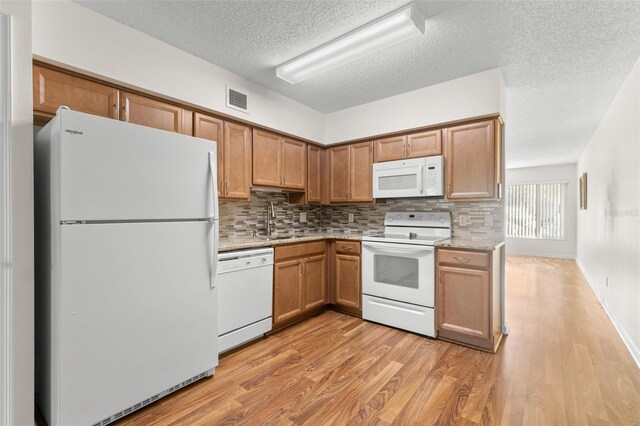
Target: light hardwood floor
(563, 363)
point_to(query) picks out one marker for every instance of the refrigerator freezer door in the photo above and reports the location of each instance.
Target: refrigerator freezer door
(137, 315)
(110, 170)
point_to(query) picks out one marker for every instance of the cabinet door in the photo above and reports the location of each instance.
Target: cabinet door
(361, 172)
(470, 157)
(52, 89)
(463, 301)
(315, 293)
(294, 162)
(314, 178)
(339, 176)
(207, 127)
(267, 161)
(388, 149)
(424, 144)
(347, 281)
(150, 112)
(237, 161)
(287, 291)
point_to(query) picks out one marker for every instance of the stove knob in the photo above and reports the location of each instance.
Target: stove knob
(442, 220)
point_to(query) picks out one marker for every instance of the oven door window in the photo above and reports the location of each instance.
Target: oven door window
(394, 270)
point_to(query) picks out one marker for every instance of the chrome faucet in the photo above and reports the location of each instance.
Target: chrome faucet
(271, 214)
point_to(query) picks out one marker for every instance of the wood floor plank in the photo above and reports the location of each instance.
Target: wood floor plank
(562, 364)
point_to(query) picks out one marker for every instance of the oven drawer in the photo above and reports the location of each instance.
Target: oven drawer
(464, 258)
(347, 247)
(405, 316)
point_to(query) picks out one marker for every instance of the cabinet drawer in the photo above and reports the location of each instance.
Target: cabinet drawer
(347, 247)
(299, 250)
(463, 258)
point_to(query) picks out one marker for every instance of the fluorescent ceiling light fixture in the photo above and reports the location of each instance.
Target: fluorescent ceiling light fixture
(388, 30)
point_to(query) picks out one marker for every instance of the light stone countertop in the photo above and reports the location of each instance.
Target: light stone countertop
(240, 243)
(470, 244)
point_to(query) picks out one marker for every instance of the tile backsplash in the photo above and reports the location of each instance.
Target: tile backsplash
(241, 218)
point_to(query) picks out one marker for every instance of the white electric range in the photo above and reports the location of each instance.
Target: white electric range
(398, 270)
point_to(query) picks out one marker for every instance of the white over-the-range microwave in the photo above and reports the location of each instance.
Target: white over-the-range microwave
(415, 177)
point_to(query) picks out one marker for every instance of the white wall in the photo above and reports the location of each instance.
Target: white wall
(72, 35)
(22, 213)
(552, 248)
(609, 230)
(102, 47)
(471, 96)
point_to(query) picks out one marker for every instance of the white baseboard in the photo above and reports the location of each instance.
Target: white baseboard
(633, 349)
(529, 253)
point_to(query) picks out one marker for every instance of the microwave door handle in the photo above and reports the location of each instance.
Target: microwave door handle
(420, 179)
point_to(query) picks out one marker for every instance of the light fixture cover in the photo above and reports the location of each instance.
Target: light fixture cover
(390, 29)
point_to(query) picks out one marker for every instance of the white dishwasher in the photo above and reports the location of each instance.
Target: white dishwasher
(245, 296)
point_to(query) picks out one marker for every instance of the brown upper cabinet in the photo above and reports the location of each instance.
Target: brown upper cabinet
(315, 165)
(52, 89)
(150, 112)
(278, 161)
(422, 144)
(234, 154)
(473, 158)
(237, 161)
(350, 173)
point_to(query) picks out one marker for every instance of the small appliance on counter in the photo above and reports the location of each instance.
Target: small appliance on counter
(416, 177)
(398, 270)
(245, 296)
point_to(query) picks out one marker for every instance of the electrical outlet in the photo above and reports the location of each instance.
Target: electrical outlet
(350, 217)
(303, 217)
(488, 220)
(463, 219)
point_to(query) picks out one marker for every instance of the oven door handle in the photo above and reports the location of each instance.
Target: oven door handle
(391, 247)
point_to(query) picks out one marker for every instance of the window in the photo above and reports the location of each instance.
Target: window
(536, 210)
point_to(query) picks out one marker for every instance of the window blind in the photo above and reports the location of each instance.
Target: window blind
(536, 210)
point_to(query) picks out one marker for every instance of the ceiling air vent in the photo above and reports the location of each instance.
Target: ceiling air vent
(236, 100)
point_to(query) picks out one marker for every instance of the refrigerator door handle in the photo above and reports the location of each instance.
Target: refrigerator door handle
(213, 174)
(214, 255)
(213, 220)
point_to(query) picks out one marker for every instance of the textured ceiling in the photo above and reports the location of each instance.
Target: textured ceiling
(563, 62)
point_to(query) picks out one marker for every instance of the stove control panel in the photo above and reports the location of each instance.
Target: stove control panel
(418, 219)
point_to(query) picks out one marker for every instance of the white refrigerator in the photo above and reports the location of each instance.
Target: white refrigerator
(126, 250)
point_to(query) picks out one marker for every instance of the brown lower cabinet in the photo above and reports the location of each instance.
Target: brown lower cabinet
(469, 297)
(299, 281)
(309, 276)
(347, 277)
